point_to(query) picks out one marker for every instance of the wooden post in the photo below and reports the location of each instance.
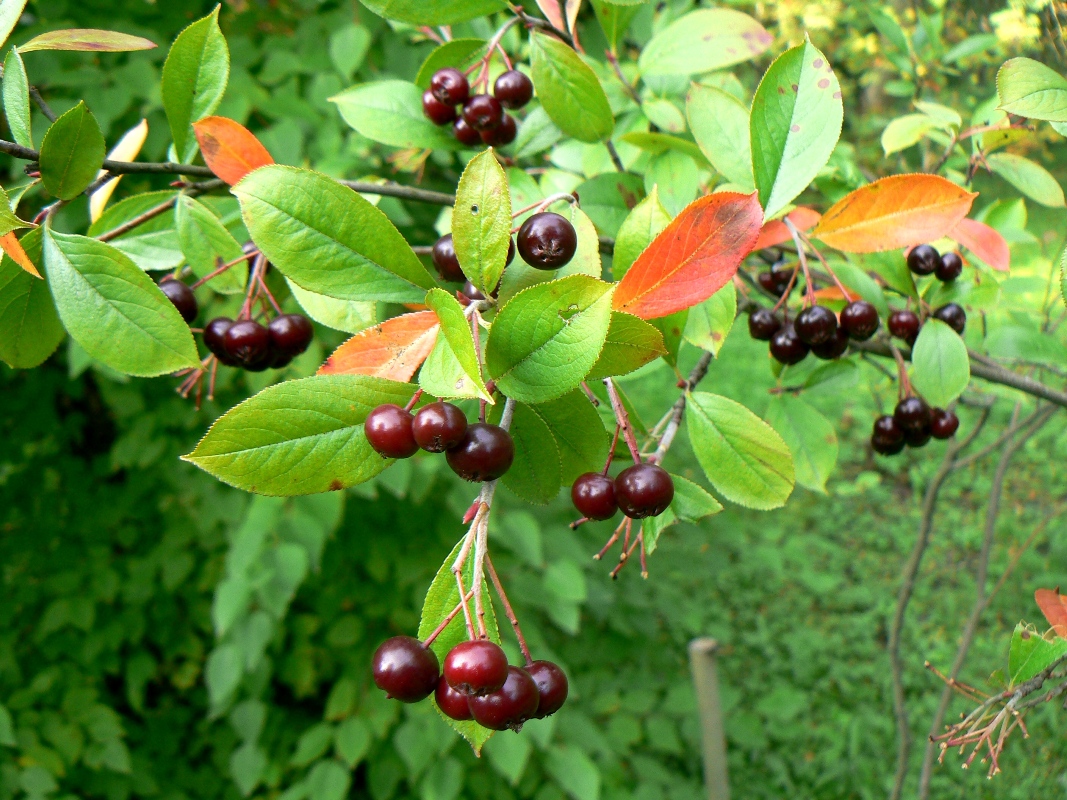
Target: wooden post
(706, 682)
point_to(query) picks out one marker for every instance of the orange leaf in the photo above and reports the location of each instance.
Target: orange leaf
(553, 13)
(229, 148)
(833, 293)
(984, 242)
(775, 232)
(694, 256)
(393, 350)
(13, 247)
(1054, 606)
(894, 213)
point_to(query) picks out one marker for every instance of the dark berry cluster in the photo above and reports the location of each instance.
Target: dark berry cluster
(477, 682)
(925, 260)
(816, 330)
(905, 324)
(256, 347)
(480, 118)
(913, 423)
(546, 241)
(475, 452)
(643, 490)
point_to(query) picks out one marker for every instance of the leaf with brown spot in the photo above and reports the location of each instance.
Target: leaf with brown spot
(394, 349)
(229, 148)
(1054, 606)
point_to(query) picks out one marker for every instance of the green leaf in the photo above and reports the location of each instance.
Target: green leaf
(710, 322)
(194, 80)
(16, 92)
(458, 53)
(328, 239)
(348, 49)
(222, 674)
(1032, 90)
(615, 19)
(574, 771)
(8, 221)
(299, 437)
(905, 131)
(536, 134)
(744, 458)
(10, 12)
(328, 780)
(586, 261)
(547, 338)
(350, 316)
(535, 473)
(631, 343)
(664, 114)
(661, 142)
(702, 41)
(1031, 654)
(30, 329)
(1028, 177)
(677, 178)
(207, 245)
(720, 125)
(481, 221)
(946, 118)
(452, 369)
(113, 310)
(153, 245)
(796, 121)
(569, 90)
(608, 199)
(88, 40)
(7, 729)
(509, 756)
(672, 328)
(247, 765)
(353, 741)
(432, 12)
(312, 744)
(390, 112)
(810, 436)
(941, 368)
(641, 226)
(691, 503)
(71, 153)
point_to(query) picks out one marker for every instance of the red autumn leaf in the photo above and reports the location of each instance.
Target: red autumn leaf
(11, 245)
(894, 213)
(694, 256)
(985, 242)
(393, 350)
(775, 232)
(229, 148)
(1054, 606)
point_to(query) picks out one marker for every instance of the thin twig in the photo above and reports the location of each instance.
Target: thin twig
(678, 409)
(508, 610)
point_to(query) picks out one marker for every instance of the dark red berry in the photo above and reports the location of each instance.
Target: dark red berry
(913, 415)
(949, 267)
(453, 704)
(513, 89)
(437, 112)
(215, 339)
(438, 427)
(248, 343)
(815, 325)
(483, 112)
(917, 439)
(502, 134)
(776, 281)
(860, 320)
(763, 324)
(290, 334)
(181, 296)
(786, 346)
(405, 670)
(923, 260)
(593, 494)
(547, 241)
(471, 291)
(445, 259)
(485, 453)
(388, 430)
(953, 315)
(644, 490)
(887, 448)
(474, 668)
(509, 706)
(450, 86)
(943, 424)
(904, 324)
(887, 437)
(552, 687)
(835, 348)
(465, 134)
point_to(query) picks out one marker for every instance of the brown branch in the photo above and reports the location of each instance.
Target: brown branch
(35, 95)
(678, 409)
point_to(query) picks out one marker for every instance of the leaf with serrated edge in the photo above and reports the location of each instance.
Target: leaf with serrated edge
(709, 323)
(638, 230)
(940, 366)
(984, 242)
(16, 92)
(89, 40)
(631, 343)
(691, 503)
(30, 329)
(455, 345)
(569, 90)
(586, 261)
(10, 12)
(229, 148)
(1029, 177)
(1030, 89)
(720, 125)
(810, 436)
(349, 316)
(394, 349)
(579, 434)
(71, 153)
(205, 241)
(390, 112)
(1031, 654)
(702, 41)
(536, 473)
(481, 221)
(433, 12)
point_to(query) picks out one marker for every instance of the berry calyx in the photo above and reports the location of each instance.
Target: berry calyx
(593, 494)
(913, 415)
(502, 134)
(450, 86)
(483, 112)
(644, 490)
(547, 241)
(476, 668)
(453, 704)
(860, 320)
(815, 325)
(834, 348)
(437, 112)
(290, 335)
(943, 424)
(215, 339)
(923, 260)
(248, 344)
(949, 267)
(445, 259)
(552, 687)
(904, 324)
(438, 427)
(786, 346)
(509, 706)
(388, 430)
(405, 670)
(484, 454)
(465, 134)
(181, 296)
(953, 315)
(887, 437)
(513, 89)
(763, 324)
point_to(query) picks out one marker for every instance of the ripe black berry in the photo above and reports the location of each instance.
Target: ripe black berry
(465, 134)
(437, 112)
(953, 315)
(552, 687)
(835, 348)
(943, 424)
(860, 320)
(777, 280)
(593, 495)
(483, 112)
(923, 260)
(763, 324)
(547, 241)
(949, 267)
(502, 134)
(887, 437)
(485, 453)
(181, 296)
(290, 335)
(786, 346)
(815, 325)
(445, 259)
(644, 490)
(215, 341)
(913, 415)
(917, 439)
(477, 667)
(405, 670)
(248, 343)
(904, 324)
(450, 86)
(388, 430)
(510, 706)
(452, 703)
(513, 89)
(438, 427)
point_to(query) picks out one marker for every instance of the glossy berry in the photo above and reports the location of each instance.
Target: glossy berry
(644, 490)
(474, 668)
(887, 437)
(437, 112)
(923, 260)
(786, 346)
(181, 296)
(912, 415)
(450, 86)
(917, 439)
(904, 324)
(248, 343)
(552, 687)
(513, 89)
(816, 325)
(445, 259)
(547, 241)
(465, 134)
(859, 320)
(949, 267)
(763, 324)
(453, 704)
(388, 429)
(502, 134)
(509, 706)
(483, 112)
(485, 453)
(439, 426)
(835, 348)
(593, 494)
(943, 424)
(290, 335)
(215, 339)
(776, 281)
(953, 315)
(405, 670)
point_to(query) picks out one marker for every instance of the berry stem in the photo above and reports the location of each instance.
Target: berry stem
(414, 399)
(457, 570)
(611, 540)
(508, 610)
(678, 410)
(447, 620)
(541, 205)
(802, 255)
(222, 269)
(902, 372)
(788, 289)
(494, 44)
(263, 288)
(822, 260)
(611, 450)
(589, 393)
(623, 419)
